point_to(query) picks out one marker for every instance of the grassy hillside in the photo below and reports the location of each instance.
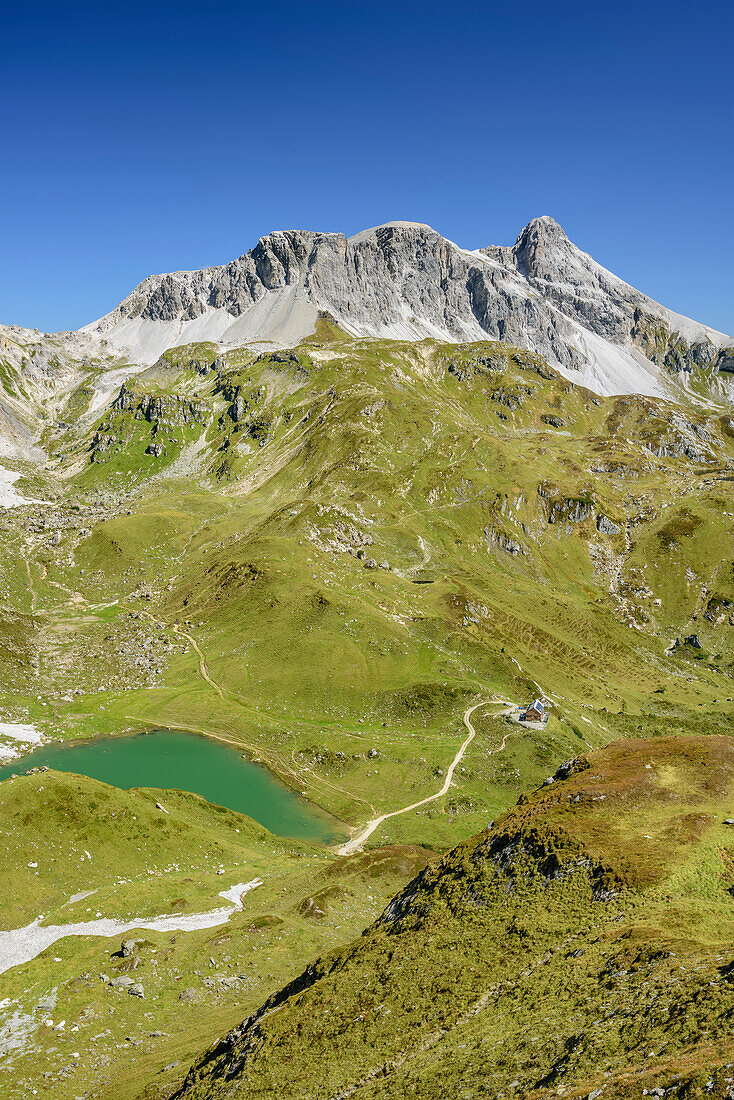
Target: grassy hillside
(324, 555)
(581, 944)
(64, 834)
(74, 850)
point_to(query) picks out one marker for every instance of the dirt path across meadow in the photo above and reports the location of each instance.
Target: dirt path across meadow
(359, 838)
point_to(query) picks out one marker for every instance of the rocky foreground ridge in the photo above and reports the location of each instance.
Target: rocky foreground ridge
(539, 959)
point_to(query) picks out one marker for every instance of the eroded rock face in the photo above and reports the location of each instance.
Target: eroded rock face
(725, 361)
(570, 510)
(607, 526)
(166, 408)
(662, 344)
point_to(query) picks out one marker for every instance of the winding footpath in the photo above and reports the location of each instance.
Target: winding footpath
(356, 842)
(176, 629)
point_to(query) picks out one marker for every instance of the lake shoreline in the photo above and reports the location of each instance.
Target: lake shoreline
(272, 794)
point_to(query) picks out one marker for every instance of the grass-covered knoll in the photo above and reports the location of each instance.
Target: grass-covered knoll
(76, 849)
(61, 834)
(582, 943)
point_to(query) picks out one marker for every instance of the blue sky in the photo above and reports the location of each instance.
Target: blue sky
(146, 138)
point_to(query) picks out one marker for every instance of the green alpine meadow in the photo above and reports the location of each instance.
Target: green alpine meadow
(366, 683)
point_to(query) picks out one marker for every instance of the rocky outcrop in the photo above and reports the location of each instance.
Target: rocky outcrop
(663, 345)
(512, 397)
(168, 409)
(607, 526)
(691, 442)
(293, 361)
(570, 510)
(243, 398)
(494, 538)
(467, 367)
(725, 361)
(718, 609)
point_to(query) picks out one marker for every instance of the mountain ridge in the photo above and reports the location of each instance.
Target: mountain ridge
(404, 280)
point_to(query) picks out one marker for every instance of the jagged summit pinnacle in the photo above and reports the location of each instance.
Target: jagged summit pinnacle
(544, 221)
(541, 238)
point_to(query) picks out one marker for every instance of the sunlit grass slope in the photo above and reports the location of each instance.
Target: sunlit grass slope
(364, 536)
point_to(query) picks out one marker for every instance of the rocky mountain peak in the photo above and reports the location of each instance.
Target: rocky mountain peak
(541, 246)
(393, 229)
(404, 281)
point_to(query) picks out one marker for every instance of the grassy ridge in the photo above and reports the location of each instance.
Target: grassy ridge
(62, 834)
(582, 943)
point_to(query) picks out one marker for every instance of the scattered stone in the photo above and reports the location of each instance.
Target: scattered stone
(136, 990)
(122, 981)
(224, 983)
(369, 563)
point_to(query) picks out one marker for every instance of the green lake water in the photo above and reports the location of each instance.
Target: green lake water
(186, 762)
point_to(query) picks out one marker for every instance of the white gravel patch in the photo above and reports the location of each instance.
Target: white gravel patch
(17, 1031)
(20, 945)
(10, 497)
(20, 731)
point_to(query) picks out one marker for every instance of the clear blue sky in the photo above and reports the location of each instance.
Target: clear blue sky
(141, 138)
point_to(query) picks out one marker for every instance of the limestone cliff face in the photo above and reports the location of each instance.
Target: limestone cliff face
(405, 281)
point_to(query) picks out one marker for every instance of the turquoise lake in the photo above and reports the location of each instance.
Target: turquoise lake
(186, 762)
